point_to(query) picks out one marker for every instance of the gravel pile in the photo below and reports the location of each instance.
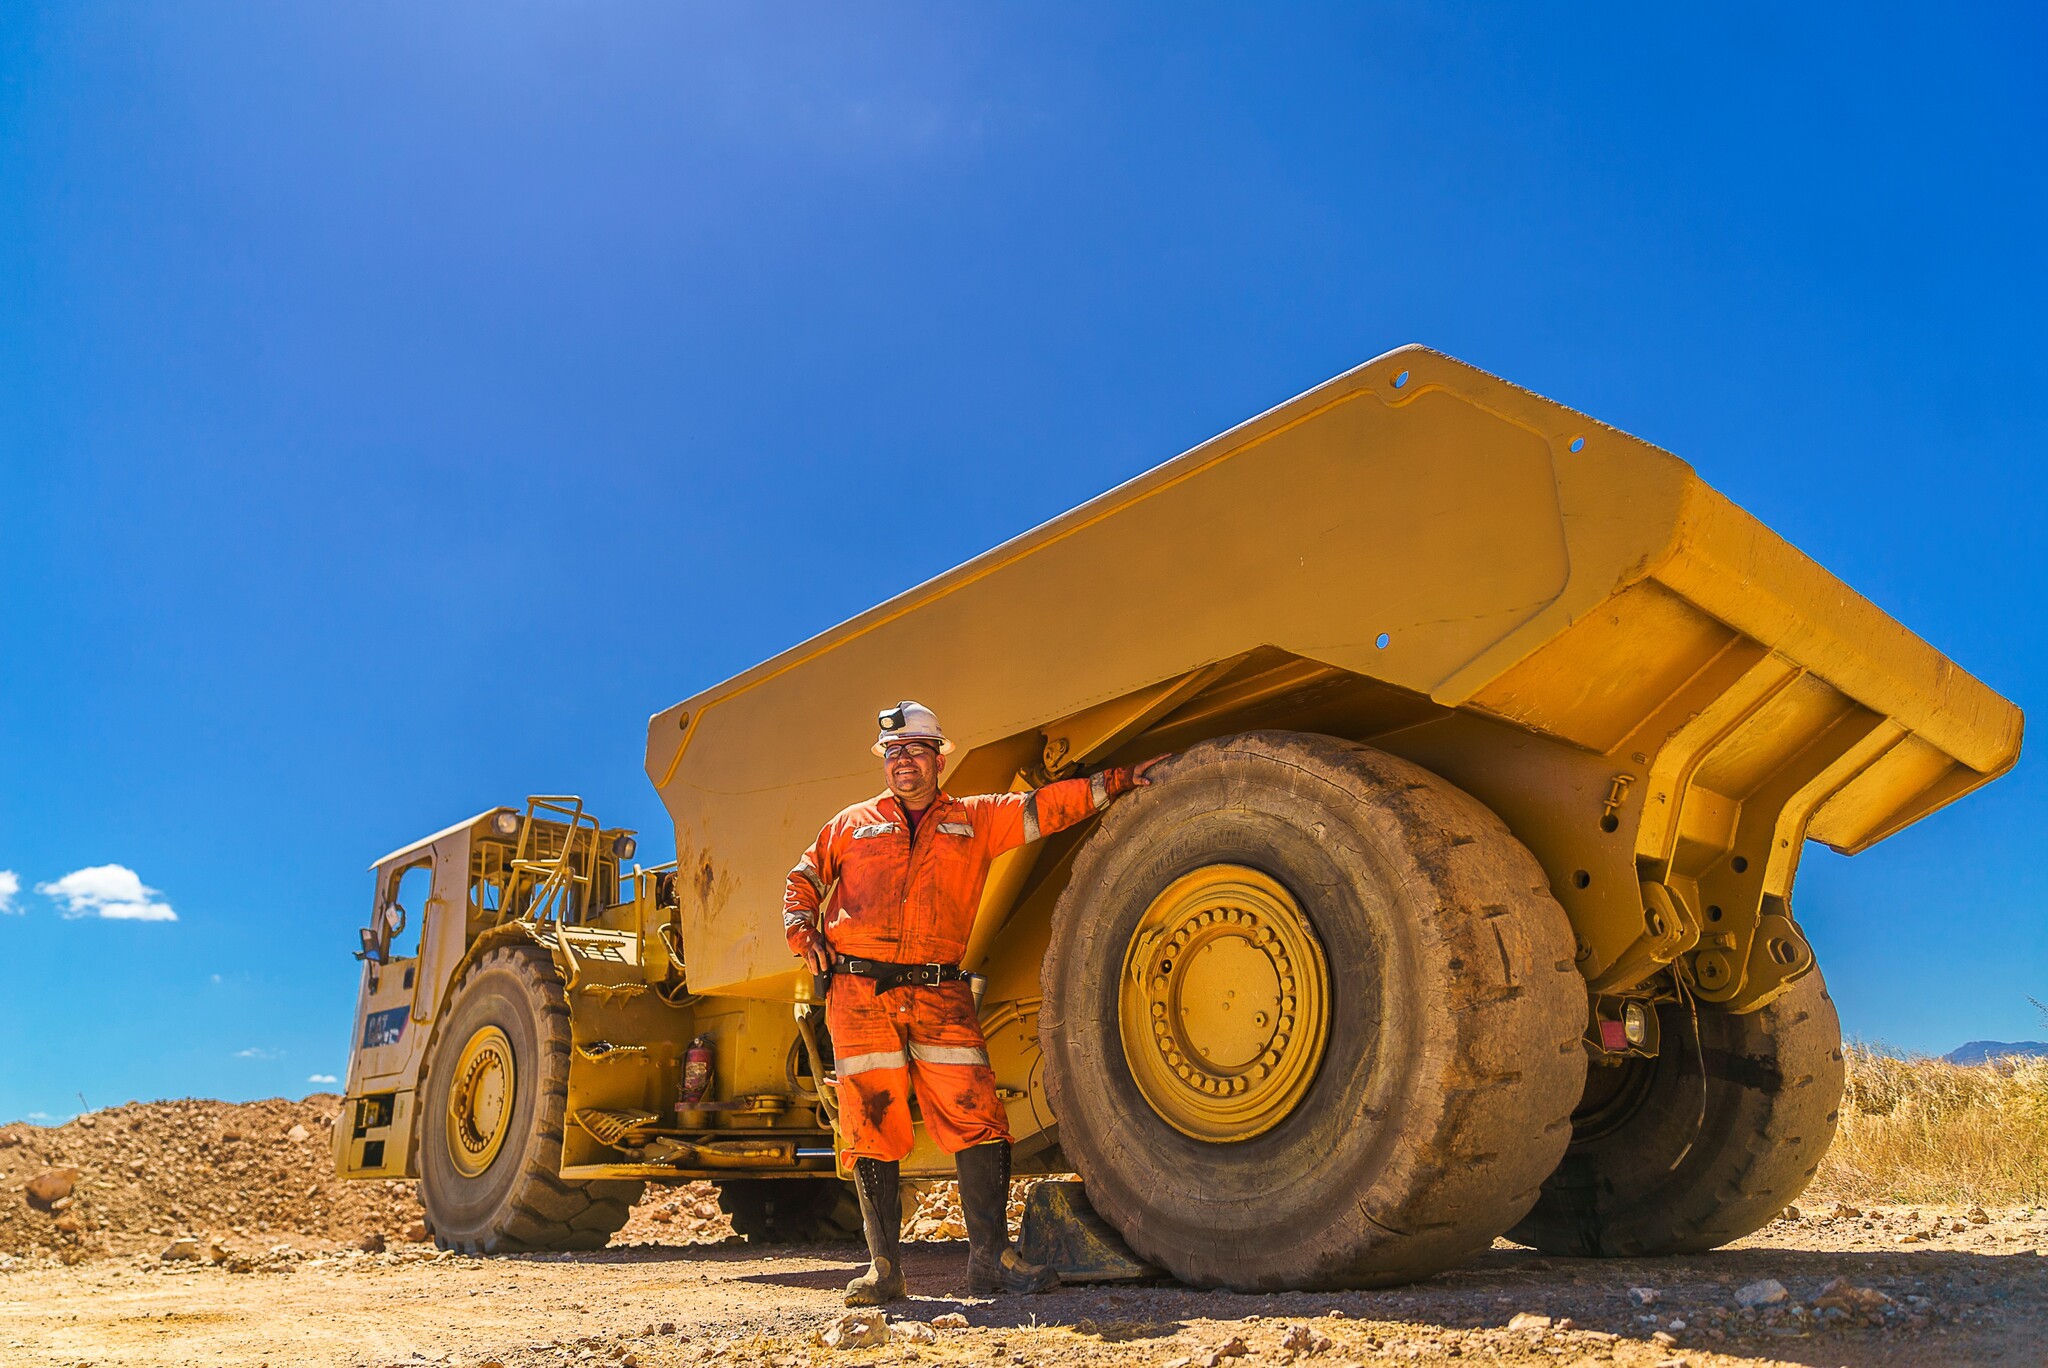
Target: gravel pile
(241, 1178)
(130, 1179)
(676, 1213)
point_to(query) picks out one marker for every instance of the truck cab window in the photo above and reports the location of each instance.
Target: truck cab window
(408, 889)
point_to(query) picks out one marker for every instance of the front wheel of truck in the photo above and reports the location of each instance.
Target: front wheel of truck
(492, 1107)
(1703, 1143)
(1311, 1018)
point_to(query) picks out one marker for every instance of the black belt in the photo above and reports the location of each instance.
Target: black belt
(887, 976)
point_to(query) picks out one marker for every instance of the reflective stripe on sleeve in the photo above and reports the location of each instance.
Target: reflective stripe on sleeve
(1031, 819)
(881, 1059)
(948, 1054)
(810, 875)
(1098, 789)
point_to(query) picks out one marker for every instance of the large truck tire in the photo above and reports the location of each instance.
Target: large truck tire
(791, 1210)
(492, 1108)
(1703, 1143)
(1311, 1018)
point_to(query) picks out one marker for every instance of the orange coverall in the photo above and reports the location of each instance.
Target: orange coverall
(910, 898)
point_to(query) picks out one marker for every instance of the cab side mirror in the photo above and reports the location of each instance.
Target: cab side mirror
(384, 928)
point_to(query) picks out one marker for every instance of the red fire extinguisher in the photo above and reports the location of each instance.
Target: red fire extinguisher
(697, 1071)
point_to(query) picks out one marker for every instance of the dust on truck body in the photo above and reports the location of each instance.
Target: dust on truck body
(1465, 907)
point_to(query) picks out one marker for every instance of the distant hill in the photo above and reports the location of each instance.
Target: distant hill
(1983, 1051)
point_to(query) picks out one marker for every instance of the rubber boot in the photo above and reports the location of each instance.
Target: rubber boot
(993, 1263)
(881, 1217)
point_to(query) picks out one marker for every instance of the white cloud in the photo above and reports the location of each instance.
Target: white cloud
(112, 891)
(38, 1116)
(10, 884)
(322, 1078)
(259, 1052)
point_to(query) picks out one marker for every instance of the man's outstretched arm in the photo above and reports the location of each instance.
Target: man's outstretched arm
(1020, 818)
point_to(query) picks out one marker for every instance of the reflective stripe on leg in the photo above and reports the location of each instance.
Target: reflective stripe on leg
(948, 1054)
(850, 1065)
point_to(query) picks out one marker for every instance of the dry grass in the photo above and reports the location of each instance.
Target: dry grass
(1920, 1130)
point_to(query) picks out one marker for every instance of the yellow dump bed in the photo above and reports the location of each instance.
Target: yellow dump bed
(1456, 546)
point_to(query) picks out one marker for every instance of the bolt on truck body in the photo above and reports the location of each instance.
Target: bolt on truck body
(1465, 907)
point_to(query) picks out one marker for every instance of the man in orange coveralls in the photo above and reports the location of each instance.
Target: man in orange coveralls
(883, 902)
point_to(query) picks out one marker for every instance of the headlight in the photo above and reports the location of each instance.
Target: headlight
(506, 823)
(624, 846)
(1635, 1023)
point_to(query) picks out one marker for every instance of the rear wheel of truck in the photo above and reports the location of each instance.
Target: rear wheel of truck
(491, 1113)
(792, 1210)
(1703, 1143)
(1311, 1018)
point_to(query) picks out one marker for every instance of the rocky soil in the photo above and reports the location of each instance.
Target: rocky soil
(135, 1176)
(239, 1178)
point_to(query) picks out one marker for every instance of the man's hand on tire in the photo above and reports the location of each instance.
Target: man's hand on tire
(1138, 770)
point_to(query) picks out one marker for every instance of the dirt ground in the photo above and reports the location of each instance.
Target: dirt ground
(273, 1262)
(1923, 1287)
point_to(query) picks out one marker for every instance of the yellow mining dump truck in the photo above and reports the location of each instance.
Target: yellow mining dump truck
(1464, 908)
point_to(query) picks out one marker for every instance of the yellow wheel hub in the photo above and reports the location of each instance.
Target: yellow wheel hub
(1224, 1003)
(480, 1103)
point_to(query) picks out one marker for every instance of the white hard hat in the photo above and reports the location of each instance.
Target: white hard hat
(909, 721)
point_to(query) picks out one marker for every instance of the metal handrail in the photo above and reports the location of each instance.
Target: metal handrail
(557, 875)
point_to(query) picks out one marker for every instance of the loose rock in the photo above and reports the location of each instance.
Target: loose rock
(952, 1320)
(856, 1330)
(1305, 1339)
(1528, 1320)
(1840, 1294)
(1644, 1296)
(1763, 1292)
(51, 1185)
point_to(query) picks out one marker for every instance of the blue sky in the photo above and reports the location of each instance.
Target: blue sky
(398, 406)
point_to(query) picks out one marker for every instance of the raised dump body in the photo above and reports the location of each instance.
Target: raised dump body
(1648, 685)
(1405, 632)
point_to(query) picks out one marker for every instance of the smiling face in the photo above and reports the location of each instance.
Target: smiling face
(913, 769)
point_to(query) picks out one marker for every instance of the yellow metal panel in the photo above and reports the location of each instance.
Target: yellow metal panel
(1849, 819)
(1771, 735)
(1599, 678)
